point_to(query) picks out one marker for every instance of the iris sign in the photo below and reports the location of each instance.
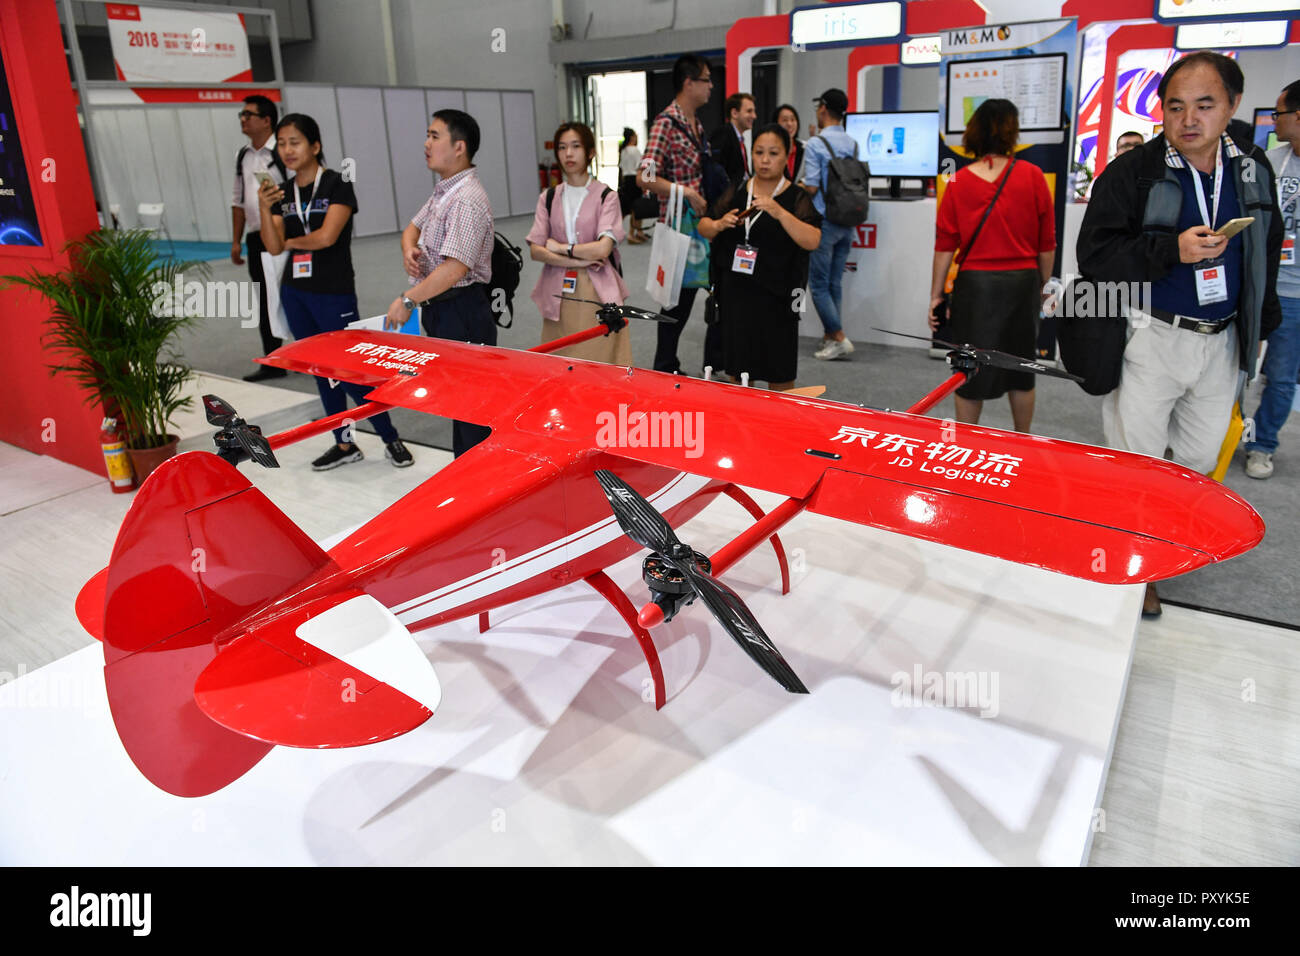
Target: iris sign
(845, 24)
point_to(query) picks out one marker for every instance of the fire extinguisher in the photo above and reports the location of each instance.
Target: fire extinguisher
(121, 477)
(543, 176)
(556, 174)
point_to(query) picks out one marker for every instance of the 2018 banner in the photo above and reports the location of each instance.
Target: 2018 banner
(154, 44)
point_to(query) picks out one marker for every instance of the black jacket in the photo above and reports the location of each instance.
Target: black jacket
(726, 150)
(1118, 242)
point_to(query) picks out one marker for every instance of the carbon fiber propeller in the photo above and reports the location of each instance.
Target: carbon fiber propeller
(992, 357)
(237, 440)
(647, 527)
(613, 310)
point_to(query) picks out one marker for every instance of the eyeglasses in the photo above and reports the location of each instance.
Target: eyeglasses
(1275, 114)
(248, 114)
(704, 79)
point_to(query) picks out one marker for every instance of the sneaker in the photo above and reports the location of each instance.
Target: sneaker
(1259, 464)
(833, 349)
(337, 456)
(396, 452)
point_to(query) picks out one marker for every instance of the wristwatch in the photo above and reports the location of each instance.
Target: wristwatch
(409, 303)
(571, 251)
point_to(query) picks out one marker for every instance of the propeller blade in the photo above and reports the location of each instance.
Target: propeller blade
(1017, 364)
(218, 412)
(740, 623)
(639, 521)
(992, 357)
(258, 448)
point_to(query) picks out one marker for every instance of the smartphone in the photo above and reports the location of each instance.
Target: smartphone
(1234, 226)
(746, 212)
(268, 178)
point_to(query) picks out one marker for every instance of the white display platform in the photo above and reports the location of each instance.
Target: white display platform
(547, 750)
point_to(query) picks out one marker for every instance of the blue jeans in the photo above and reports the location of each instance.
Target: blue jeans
(826, 273)
(310, 313)
(1281, 364)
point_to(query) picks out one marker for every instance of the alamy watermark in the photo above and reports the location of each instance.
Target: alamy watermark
(234, 299)
(962, 689)
(638, 429)
(1077, 297)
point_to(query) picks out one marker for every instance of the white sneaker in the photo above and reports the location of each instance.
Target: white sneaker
(1259, 464)
(833, 349)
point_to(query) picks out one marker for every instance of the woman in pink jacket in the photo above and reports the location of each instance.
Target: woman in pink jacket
(575, 235)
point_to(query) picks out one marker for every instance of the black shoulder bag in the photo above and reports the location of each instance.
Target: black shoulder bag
(941, 309)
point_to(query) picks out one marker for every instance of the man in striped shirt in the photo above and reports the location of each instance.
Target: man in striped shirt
(674, 153)
(447, 249)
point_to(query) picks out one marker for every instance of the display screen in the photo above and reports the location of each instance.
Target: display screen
(18, 223)
(1036, 84)
(897, 144)
(1265, 130)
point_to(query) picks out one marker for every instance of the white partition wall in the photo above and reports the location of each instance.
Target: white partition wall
(210, 165)
(184, 156)
(435, 100)
(490, 159)
(404, 113)
(365, 143)
(521, 153)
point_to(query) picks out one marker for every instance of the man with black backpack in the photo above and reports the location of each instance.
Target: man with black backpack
(256, 121)
(448, 250)
(838, 185)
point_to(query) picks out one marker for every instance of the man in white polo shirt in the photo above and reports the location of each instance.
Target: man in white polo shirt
(256, 121)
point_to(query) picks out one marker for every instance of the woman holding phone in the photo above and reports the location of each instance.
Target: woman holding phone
(762, 231)
(310, 217)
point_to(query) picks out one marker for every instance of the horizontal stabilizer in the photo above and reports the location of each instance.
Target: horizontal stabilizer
(340, 671)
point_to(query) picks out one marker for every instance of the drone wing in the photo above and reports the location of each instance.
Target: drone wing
(1092, 512)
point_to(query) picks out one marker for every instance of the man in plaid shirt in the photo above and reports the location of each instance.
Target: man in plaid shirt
(447, 251)
(673, 155)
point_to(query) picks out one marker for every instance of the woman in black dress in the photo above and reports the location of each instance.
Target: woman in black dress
(762, 230)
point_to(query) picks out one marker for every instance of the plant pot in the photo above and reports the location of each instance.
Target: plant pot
(145, 460)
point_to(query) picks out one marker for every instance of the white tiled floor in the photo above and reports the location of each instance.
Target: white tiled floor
(544, 731)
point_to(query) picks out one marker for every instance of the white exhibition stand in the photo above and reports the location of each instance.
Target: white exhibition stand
(887, 286)
(546, 750)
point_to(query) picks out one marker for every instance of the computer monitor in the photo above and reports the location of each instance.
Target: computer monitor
(1265, 129)
(898, 144)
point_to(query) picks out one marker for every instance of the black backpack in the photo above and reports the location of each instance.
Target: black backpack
(276, 161)
(848, 187)
(613, 256)
(714, 178)
(507, 264)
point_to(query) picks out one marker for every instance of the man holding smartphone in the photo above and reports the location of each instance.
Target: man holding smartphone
(1157, 215)
(256, 160)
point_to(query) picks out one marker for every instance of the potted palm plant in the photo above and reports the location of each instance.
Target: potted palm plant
(115, 312)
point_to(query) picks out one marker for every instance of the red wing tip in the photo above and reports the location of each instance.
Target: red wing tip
(90, 604)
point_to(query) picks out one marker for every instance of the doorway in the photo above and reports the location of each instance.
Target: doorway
(617, 101)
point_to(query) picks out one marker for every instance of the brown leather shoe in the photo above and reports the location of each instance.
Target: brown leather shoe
(1151, 603)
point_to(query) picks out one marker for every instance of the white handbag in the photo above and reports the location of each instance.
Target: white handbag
(272, 269)
(668, 253)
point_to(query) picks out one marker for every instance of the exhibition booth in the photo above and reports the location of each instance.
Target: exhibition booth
(962, 601)
(1078, 80)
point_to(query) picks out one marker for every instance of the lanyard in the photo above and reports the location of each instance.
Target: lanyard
(571, 223)
(297, 199)
(749, 188)
(1207, 218)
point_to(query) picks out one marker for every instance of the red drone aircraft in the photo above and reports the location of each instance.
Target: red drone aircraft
(227, 631)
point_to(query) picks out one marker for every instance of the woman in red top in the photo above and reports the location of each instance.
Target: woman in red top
(997, 296)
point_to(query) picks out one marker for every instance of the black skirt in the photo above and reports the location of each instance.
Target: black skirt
(627, 193)
(996, 310)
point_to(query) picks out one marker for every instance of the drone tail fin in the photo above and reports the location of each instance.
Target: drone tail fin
(200, 550)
